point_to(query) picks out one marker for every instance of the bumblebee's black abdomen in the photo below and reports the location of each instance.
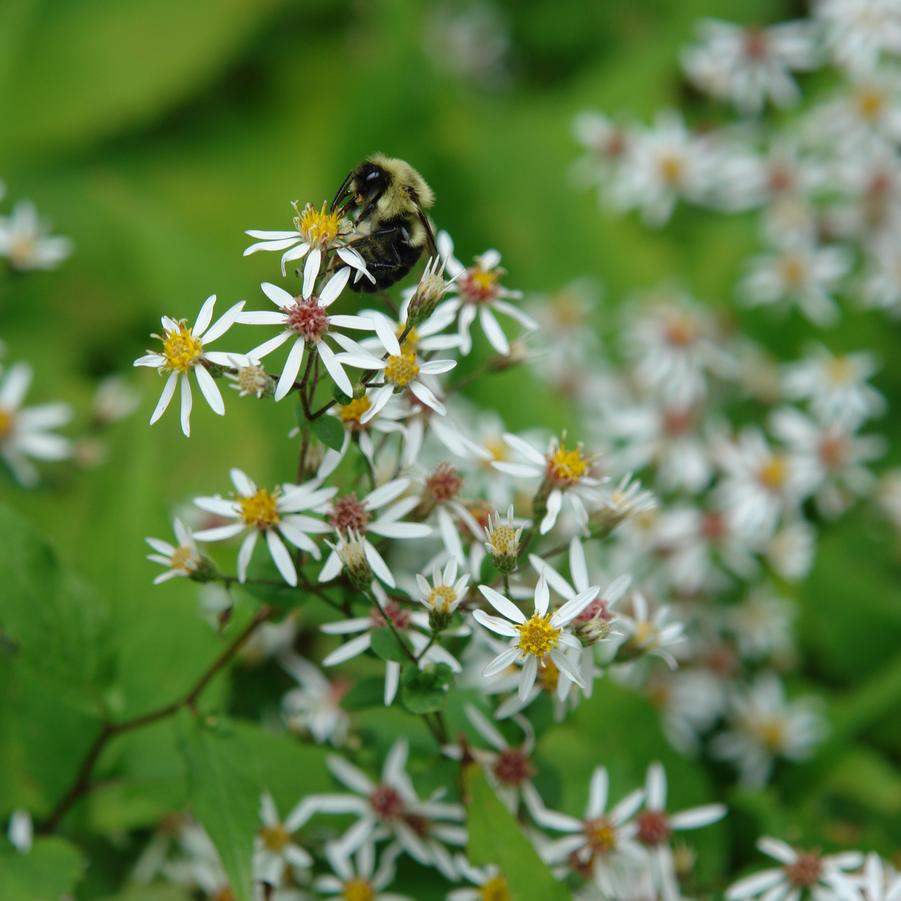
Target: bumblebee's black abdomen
(388, 253)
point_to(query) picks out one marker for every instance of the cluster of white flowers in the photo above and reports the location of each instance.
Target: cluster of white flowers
(826, 182)
(526, 567)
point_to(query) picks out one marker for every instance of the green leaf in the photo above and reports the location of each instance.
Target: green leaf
(386, 645)
(329, 431)
(496, 838)
(50, 869)
(224, 794)
(60, 626)
(425, 690)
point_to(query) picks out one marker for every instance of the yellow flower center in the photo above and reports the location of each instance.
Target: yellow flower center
(793, 269)
(681, 330)
(401, 369)
(352, 413)
(181, 349)
(495, 889)
(22, 250)
(772, 473)
(441, 597)
(7, 423)
(870, 103)
(567, 466)
(645, 634)
(503, 541)
(358, 890)
(839, 370)
(182, 559)
(275, 838)
(223, 894)
(672, 169)
(537, 636)
(318, 227)
(484, 278)
(601, 835)
(770, 731)
(260, 510)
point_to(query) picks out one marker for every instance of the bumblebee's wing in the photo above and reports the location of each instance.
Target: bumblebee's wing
(342, 191)
(430, 235)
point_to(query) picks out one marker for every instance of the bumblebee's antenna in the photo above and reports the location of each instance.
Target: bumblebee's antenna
(342, 191)
(430, 235)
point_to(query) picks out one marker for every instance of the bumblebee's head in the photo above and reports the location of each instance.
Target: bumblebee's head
(381, 183)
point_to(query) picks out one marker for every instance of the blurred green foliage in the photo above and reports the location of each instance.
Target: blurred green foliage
(153, 132)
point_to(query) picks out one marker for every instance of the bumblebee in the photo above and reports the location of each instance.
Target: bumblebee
(387, 198)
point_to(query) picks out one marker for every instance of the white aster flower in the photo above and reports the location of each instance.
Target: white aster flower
(832, 451)
(593, 624)
(673, 344)
(184, 351)
(315, 232)
(275, 851)
(801, 273)
(25, 243)
(761, 484)
(113, 400)
(182, 559)
(25, 432)
(749, 65)
(357, 878)
(765, 726)
(675, 440)
(541, 635)
(479, 293)
(402, 369)
(880, 880)
(282, 513)
(390, 808)
(306, 319)
(881, 285)
(654, 636)
(248, 377)
(799, 873)
(836, 385)
(700, 550)
(489, 883)
(413, 627)
(859, 32)
(602, 842)
(656, 827)
(352, 514)
(566, 474)
(667, 163)
(444, 594)
(508, 768)
(627, 498)
(315, 705)
(762, 625)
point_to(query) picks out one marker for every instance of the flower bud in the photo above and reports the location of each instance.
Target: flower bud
(429, 291)
(352, 554)
(502, 541)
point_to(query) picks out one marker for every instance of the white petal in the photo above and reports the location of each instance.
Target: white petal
(165, 397)
(209, 389)
(291, 370)
(186, 401)
(503, 605)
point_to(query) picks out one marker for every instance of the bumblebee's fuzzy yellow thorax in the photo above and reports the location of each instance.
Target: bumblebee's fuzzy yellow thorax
(405, 181)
